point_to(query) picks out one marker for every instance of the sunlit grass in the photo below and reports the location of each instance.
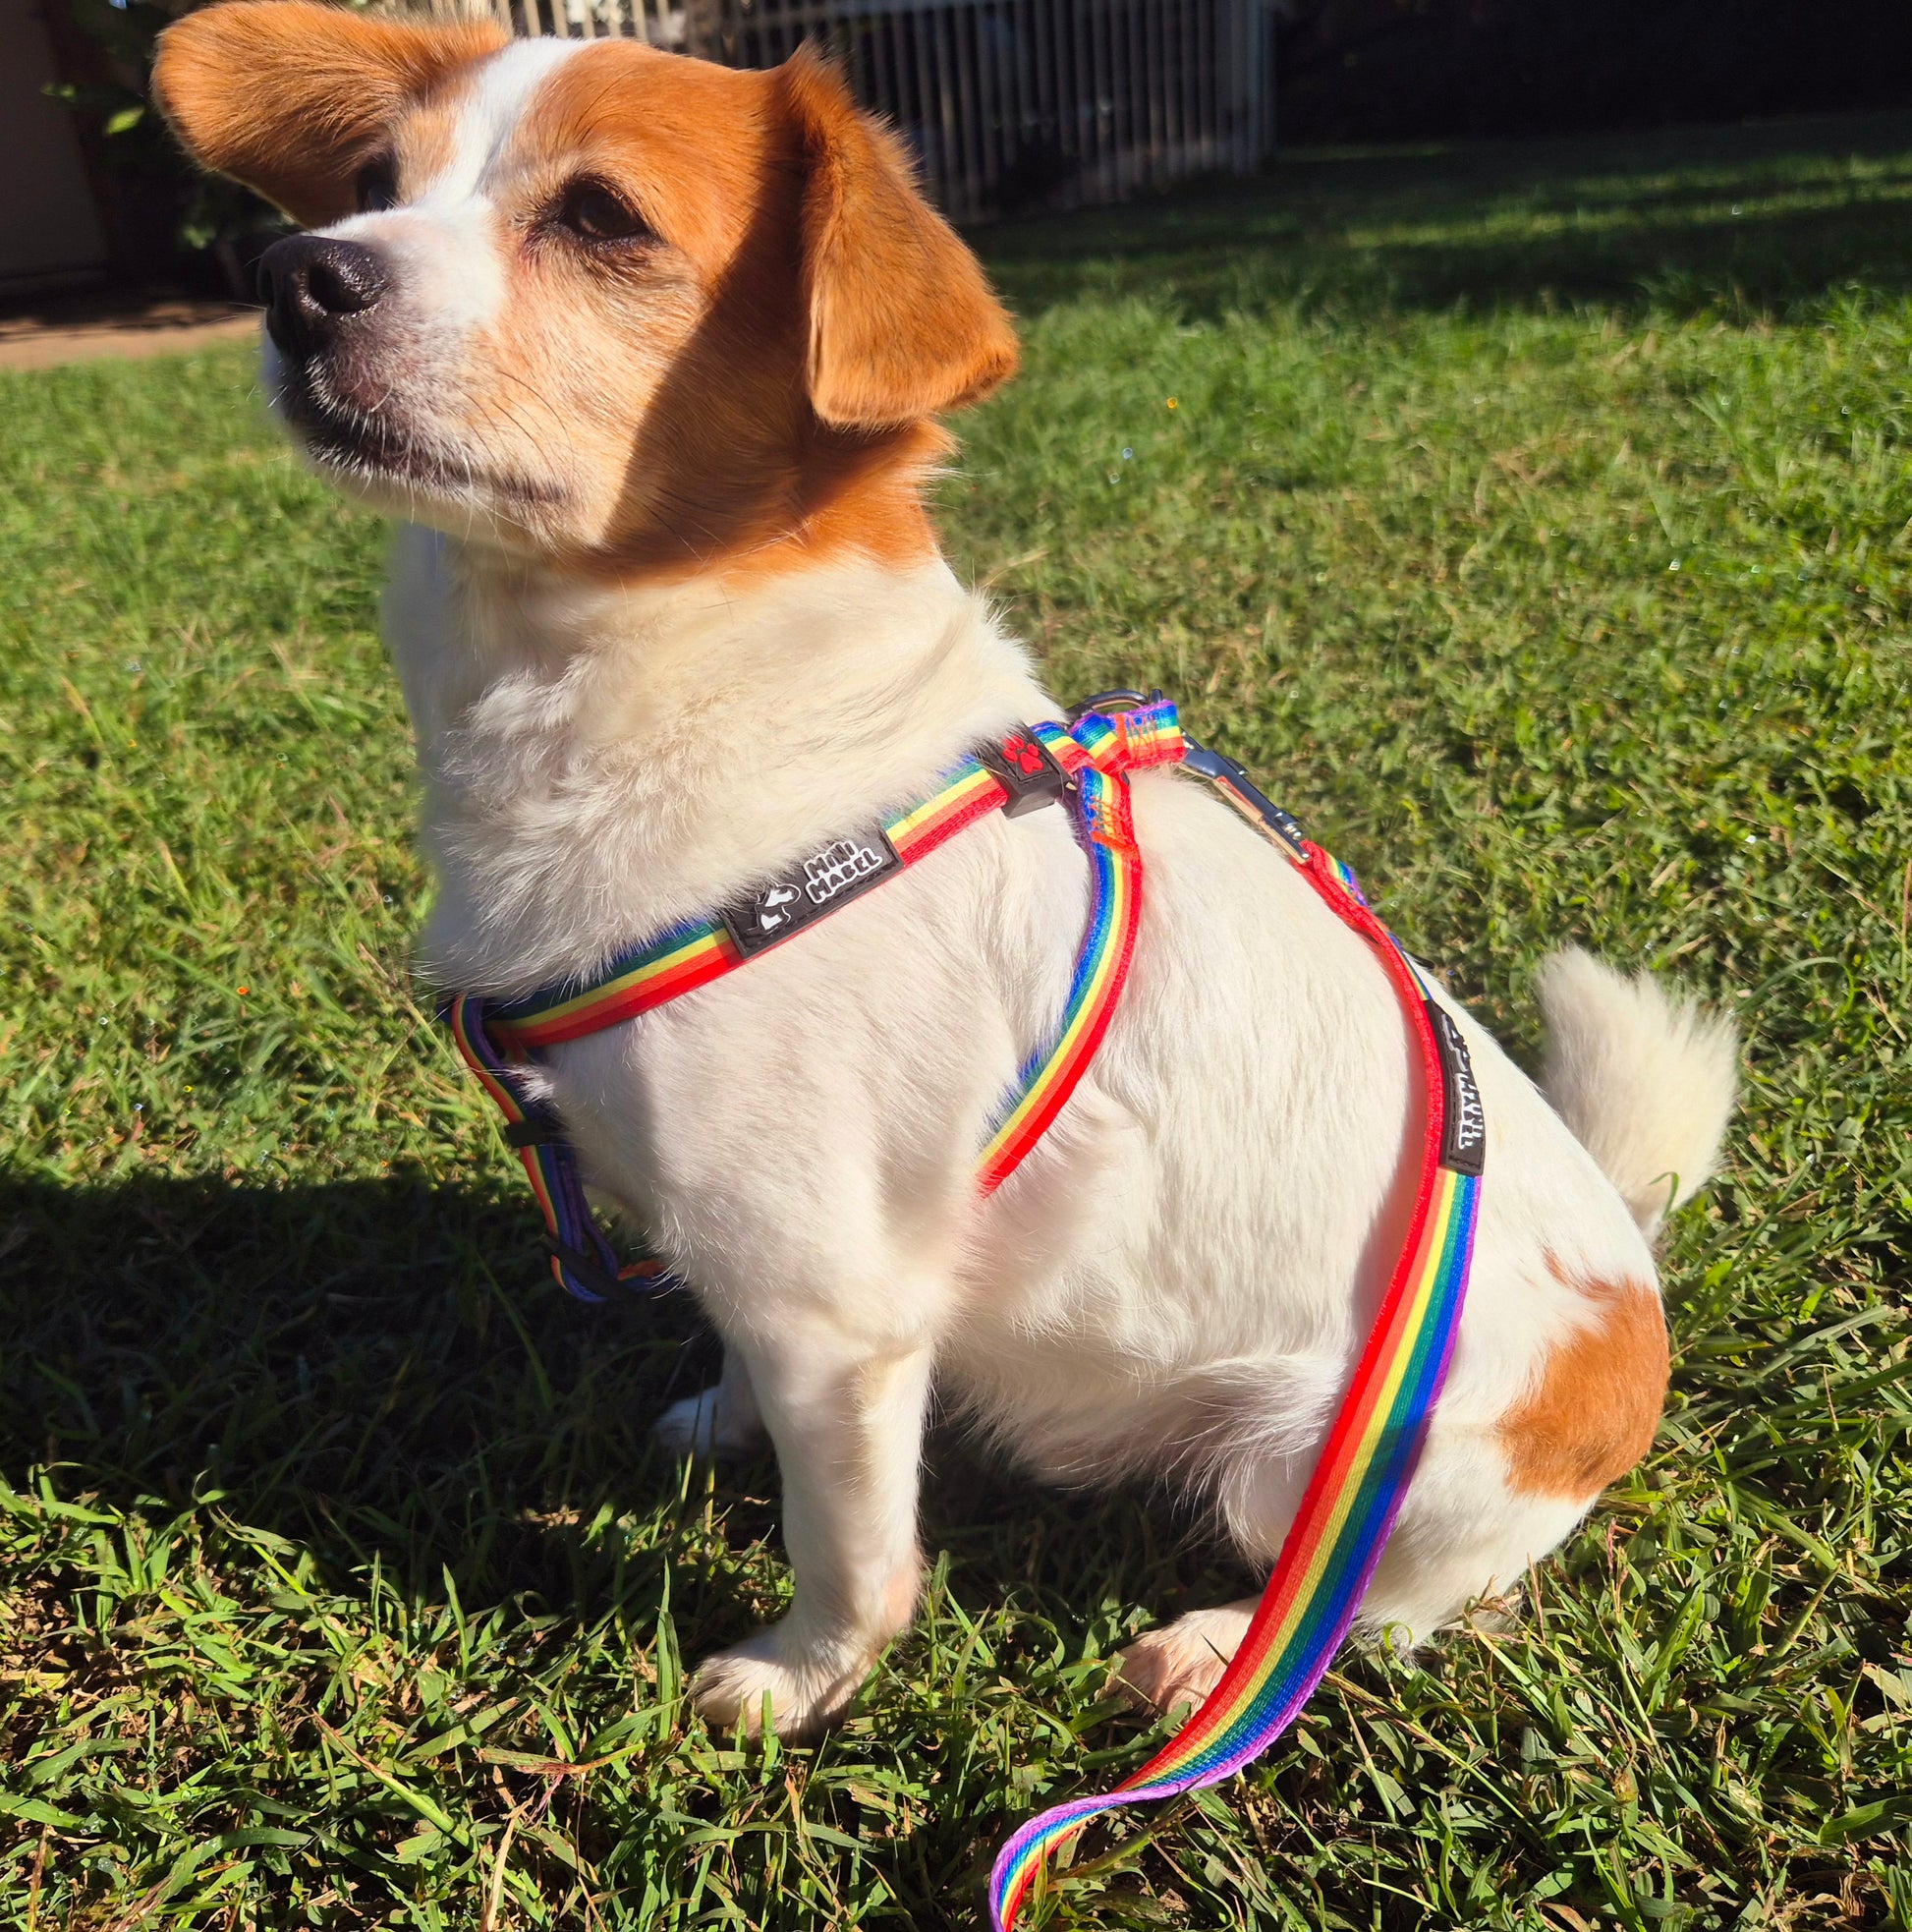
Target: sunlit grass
(1554, 567)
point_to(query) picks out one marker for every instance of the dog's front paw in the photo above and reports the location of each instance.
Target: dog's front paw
(704, 1426)
(1175, 1668)
(804, 1697)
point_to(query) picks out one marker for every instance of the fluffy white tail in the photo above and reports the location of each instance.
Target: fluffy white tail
(1645, 1081)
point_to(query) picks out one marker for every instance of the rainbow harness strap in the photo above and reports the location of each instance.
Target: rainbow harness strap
(1351, 1501)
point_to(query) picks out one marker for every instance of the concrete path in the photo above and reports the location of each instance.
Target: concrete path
(80, 331)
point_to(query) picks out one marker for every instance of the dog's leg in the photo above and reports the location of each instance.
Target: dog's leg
(1176, 1667)
(847, 1422)
(717, 1422)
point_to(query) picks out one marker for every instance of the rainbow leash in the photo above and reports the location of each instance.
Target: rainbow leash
(1367, 1460)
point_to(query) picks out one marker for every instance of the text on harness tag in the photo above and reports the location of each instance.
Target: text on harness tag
(818, 885)
(1464, 1121)
(838, 866)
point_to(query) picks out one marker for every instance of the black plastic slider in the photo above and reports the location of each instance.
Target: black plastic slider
(605, 1285)
(1024, 768)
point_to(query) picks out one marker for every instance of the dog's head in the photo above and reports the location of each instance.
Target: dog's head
(620, 307)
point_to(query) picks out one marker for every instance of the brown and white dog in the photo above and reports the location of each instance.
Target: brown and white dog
(646, 356)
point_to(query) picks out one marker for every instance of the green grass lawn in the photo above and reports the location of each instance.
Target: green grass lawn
(1536, 522)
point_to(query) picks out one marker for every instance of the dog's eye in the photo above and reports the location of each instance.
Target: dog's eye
(376, 186)
(590, 209)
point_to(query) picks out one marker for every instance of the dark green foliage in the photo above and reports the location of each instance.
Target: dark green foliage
(1392, 70)
(338, 1584)
(164, 218)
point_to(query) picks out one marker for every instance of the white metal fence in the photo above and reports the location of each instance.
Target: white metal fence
(1010, 105)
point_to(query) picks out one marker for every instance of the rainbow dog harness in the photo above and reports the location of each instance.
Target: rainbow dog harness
(1351, 1501)
(1087, 763)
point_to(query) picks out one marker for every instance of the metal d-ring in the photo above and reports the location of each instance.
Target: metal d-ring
(1122, 700)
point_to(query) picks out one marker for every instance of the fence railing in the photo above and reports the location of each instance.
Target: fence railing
(1010, 105)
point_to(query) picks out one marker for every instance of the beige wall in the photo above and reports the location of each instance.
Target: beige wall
(49, 228)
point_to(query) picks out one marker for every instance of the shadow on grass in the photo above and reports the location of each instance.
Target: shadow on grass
(1753, 220)
(372, 1368)
(380, 1371)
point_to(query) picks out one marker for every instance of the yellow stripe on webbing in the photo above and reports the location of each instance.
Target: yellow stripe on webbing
(1101, 966)
(905, 829)
(665, 964)
(1064, 1050)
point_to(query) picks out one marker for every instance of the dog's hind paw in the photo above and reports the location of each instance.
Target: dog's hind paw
(1174, 1669)
(704, 1426)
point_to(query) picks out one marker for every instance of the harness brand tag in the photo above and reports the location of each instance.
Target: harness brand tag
(817, 885)
(1023, 765)
(1464, 1128)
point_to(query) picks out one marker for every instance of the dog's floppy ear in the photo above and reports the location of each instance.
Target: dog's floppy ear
(292, 96)
(902, 323)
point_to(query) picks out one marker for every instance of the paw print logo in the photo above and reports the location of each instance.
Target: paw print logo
(1024, 754)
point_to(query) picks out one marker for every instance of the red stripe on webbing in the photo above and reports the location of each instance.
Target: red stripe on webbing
(614, 1008)
(502, 1095)
(1038, 1124)
(938, 830)
(1319, 871)
(1115, 830)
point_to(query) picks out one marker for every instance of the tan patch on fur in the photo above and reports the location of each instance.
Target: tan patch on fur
(294, 98)
(1592, 1415)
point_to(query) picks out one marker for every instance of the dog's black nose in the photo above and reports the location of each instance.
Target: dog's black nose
(311, 284)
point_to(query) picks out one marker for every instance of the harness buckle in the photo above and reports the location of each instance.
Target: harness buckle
(1231, 775)
(532, 1131)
